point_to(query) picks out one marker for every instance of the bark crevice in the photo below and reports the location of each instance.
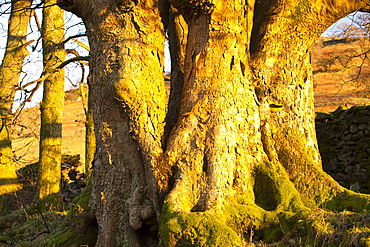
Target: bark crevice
(226, 141)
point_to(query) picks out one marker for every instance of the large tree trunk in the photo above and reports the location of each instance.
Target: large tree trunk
(52, 105)
(239, 151)
(10, 71)
(127, 64)
(282, 38)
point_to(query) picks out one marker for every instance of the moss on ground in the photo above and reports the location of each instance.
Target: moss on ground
(349, 200)
(82, 226)
(34, 226)
(72, 237)
(325, 228)
(318, 227)
(197, 229)
(22, 229)
(238, 225)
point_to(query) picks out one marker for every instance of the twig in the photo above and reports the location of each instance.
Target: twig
(45, 223)
(75, 59)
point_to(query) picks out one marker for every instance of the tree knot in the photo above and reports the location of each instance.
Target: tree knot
(127, 6)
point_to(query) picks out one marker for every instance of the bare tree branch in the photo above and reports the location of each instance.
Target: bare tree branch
(73, 37)
(81, 44)
(75, 59)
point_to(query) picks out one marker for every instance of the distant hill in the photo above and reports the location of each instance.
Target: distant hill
(332, 84)
(26, 131)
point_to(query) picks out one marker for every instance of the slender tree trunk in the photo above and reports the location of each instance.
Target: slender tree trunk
(90, 142)
(52, 103)
(240, 151)
(10, 71)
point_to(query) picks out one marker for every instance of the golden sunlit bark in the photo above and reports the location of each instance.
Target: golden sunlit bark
(282, 37)
(127, 56)
(10, 71)
(239, 153)
(52, 103)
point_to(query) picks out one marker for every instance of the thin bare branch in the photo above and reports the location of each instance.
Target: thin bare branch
(81, 44)
(73, 37)
(75, 59)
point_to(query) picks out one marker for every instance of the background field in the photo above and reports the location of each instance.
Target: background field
(333, 85)
(27, 129)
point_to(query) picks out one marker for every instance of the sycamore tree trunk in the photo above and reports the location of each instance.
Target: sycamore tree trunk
(52, 104)
(238, 151)
(10, 71)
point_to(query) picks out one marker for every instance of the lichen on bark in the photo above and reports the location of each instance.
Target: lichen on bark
(240, 153)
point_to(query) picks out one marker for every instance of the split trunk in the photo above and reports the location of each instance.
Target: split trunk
(235, 149)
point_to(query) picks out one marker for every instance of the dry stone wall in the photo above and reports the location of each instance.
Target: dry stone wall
(73, 180)
(344, 144)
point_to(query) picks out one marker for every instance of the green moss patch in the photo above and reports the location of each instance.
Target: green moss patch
(22, 229)
(232, 227)
(196, 229)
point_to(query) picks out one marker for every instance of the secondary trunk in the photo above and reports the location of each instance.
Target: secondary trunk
(239, 151)
(177, 32)
(52, 104)
(90, 141)
(10, 71)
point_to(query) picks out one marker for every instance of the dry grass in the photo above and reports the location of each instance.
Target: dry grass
(326, 229)
(26, 133)
(333, 86)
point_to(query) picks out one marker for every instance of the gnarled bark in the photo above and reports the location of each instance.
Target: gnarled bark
(127, 64)
(240, 151)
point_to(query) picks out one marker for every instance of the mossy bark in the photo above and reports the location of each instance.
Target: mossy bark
(10, 71)
(239, 152)
(52, 105)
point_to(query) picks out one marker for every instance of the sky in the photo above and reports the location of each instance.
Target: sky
(334, 29)
(33, 63)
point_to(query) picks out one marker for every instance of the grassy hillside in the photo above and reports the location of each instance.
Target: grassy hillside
(27, 129)
(334, 71)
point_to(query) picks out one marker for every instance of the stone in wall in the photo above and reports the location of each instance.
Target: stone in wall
(344, 144)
